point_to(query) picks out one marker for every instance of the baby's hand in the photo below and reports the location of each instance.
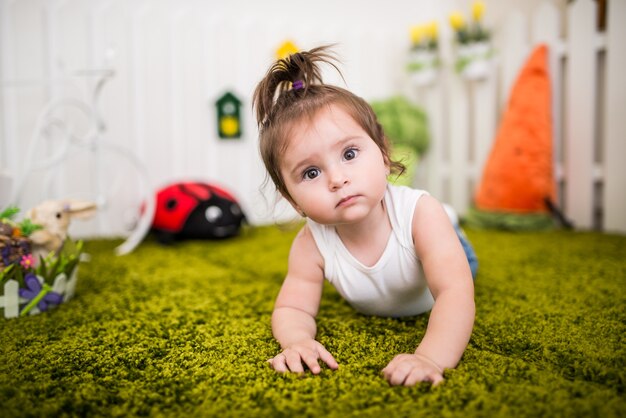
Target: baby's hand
(307, 352)
(409, 369)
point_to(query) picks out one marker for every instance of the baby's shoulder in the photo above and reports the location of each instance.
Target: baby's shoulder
(304, 242)
(401, 192)
(430, 222)
(304, 236)
(304, 255)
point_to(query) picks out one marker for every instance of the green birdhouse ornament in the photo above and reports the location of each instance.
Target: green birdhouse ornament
(228, 116)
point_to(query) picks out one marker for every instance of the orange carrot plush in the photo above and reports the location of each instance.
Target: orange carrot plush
(518, 176)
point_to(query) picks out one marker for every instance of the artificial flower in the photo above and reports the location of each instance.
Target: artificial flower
(287, 48)
(417, 34)
(40, 295)
(478, 10)
(424, 36)
(431, 29)
(457, 21)
(27, 261)
(473, 30)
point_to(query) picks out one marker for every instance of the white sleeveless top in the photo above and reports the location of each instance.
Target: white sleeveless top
(395, 285)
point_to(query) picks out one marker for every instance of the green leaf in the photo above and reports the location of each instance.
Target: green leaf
(7, 273)
(19, 275)
(28, 227)
(41, 269)
(9, 212)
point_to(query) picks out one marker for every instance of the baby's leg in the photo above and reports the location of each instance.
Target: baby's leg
(467, 247)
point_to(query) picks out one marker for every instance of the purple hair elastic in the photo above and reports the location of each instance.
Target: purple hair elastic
(297, 85)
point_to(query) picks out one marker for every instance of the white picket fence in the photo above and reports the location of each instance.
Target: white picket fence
(589, 124)
(172, 59)
(13, 305)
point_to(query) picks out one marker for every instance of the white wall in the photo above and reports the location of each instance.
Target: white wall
(172, 60)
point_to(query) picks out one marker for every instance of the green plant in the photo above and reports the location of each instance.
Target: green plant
(424, 36)
(23, 228)
(65, 262)
(406, 127)
(474, 31)
(404, 123)
(16, 259)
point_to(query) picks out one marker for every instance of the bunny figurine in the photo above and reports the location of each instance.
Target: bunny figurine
(54, 217)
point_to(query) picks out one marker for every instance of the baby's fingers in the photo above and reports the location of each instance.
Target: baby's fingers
(419, 375)
(408, 370)
(293, 361)
(285, 362)
(310, 359)
(397, 374)
(327, 358)
(278, 363)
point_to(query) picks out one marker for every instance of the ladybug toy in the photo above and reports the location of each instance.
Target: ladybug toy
(195, 210)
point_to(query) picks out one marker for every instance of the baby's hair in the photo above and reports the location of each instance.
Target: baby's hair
(293, 90)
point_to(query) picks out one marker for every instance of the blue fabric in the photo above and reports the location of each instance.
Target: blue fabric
(469, 251)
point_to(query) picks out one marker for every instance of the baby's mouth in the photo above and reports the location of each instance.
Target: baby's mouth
(346, 200)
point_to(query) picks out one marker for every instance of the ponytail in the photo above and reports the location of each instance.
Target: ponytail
(293, 75)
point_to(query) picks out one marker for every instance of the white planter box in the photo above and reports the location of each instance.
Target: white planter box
(423, 67)
(474, 60)
(14, 305)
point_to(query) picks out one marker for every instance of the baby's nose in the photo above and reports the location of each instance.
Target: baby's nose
(338, 179)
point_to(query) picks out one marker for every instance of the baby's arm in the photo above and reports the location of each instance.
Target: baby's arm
(450, 281)
(293, 320)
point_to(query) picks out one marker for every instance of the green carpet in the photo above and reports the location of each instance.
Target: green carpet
(185, 331)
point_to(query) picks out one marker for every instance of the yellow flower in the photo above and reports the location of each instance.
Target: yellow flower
(478, 10)
(417, 34)
(456, 20)
(432, 29)
(286, 48)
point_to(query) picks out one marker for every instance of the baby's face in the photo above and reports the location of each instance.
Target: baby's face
(334, 171)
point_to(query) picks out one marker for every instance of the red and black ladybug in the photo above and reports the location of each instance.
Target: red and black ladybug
(195, 210)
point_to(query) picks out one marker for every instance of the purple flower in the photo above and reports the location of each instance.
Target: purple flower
(36, 293)
(6, 252)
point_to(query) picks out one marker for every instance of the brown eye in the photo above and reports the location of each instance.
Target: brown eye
(350, 154)
(311, 173)
(59, 215)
